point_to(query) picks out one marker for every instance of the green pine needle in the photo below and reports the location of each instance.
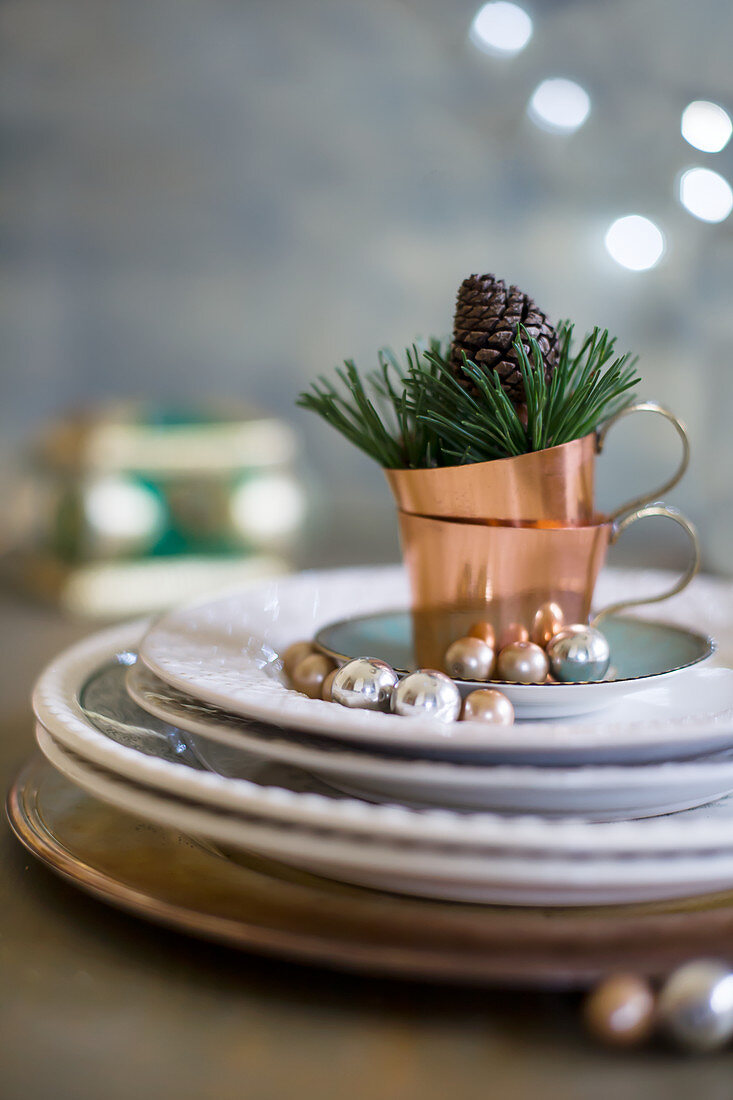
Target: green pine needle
(416, 414)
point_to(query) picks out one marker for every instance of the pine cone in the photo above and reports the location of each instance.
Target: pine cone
(485, 328)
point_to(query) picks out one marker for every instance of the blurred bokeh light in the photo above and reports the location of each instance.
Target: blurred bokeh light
(635, 242)
(501, 28)
(559, 105)
(706, 126)
(706, 194)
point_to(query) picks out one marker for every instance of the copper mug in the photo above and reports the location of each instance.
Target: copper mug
(554, 485)
(460, 572)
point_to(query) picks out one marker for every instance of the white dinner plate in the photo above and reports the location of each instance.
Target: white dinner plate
(491, 878)
(603, 792)
(155, 755)
(225, 652)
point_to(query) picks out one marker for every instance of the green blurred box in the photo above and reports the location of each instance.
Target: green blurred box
(132, 508)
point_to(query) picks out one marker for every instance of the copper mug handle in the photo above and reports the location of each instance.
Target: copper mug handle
(655, 494)
(619, 526)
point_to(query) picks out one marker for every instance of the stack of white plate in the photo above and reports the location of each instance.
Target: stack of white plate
(188, 722)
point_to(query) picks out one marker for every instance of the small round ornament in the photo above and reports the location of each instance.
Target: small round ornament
(620, 1011)
(365, 683)
(296, 653)
(489, 706)
(548, 621)
(696, 1005)
(469, 659)
(309, 674)
(484, 631)
(512, 632)
(579, 654)
(427, 694)
(328, 685)
(522, 663)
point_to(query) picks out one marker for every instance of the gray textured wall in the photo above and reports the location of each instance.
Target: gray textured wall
(210, 197)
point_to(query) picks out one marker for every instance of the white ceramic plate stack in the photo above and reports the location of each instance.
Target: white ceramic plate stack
(200, 732)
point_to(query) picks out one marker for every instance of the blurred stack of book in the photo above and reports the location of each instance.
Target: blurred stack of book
(129, 508)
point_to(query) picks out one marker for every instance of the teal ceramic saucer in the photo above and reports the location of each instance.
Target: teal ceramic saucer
(644, 653)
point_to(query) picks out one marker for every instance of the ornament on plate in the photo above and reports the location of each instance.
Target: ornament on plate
(513, 632)
(309, 674)
(328, 685)
(296, 653)
(579, 654)
(522, 663)
(620, 1011)
(489, 706)
(695, 1005)
(469, 659)
(548, 622)
(365, 683)
(427, 694)
(484, 631)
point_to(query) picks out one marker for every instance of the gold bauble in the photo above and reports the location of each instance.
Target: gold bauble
(522, 663)
(296, 653)
(620, 1011)
(489, 706)
(484, 631)
(469, 659)
(309, 674)
(327, 684)
(513, 632)
(547, 622)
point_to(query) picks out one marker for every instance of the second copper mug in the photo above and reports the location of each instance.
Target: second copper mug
(460, 572)
(554, 485)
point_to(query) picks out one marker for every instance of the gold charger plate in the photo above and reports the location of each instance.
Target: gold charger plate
(263, 907)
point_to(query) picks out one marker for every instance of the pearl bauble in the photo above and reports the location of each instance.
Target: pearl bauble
(696, 1005)
(548, 621)
(427, 694)
(489, 706)
(364, 683)
(296, 653)
(579, 654)
(522, 663)
(620, 1011)
(309, 674)
(469, 659)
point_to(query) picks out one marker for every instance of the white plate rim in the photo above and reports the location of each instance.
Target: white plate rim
(224, 729)
(270, 700)
(684, 875)
(57, 708)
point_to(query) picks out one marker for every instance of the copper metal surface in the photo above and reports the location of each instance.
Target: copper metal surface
(459, 572)
(555, 485)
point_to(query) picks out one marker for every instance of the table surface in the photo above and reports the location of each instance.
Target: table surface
(94, 1003)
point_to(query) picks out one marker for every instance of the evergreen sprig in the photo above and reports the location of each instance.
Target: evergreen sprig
(417, 414)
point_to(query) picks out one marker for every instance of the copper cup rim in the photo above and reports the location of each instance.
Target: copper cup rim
(528, 459)
(601, 519)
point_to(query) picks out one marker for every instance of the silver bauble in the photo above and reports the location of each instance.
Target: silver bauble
(427, 694)
(578, 654)
(364, 683)
(695, 1006)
